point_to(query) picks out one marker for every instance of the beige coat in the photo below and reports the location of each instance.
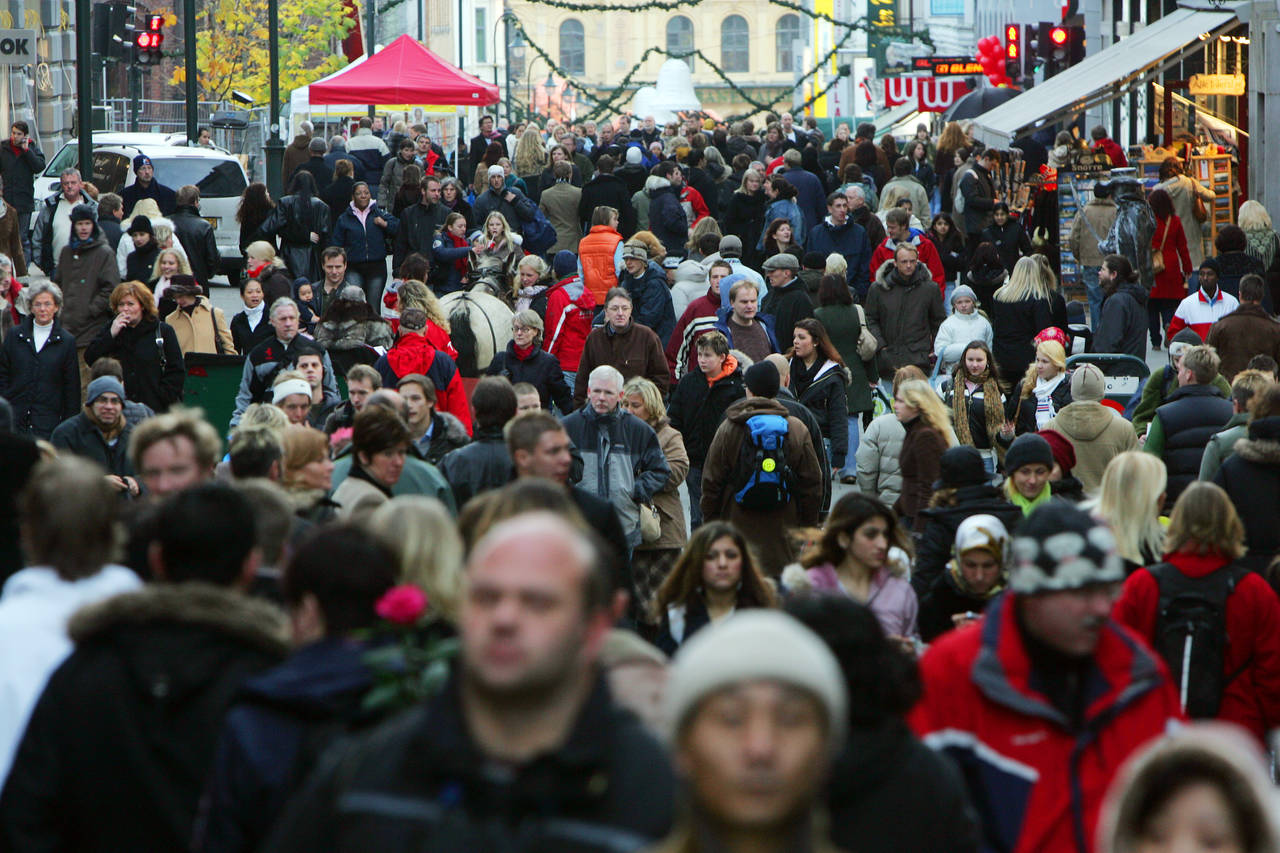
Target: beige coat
(196, 330)
(1097, 434)
(1181, 190)
(1101, 214)
(667, 500)
(560, 203)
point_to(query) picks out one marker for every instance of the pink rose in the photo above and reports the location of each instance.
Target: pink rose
(403, 605)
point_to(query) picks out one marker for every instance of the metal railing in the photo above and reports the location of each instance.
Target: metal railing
(171, 117)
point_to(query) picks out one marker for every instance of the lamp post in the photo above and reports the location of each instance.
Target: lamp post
(550, 87)
(84, 85)
(505, 20)
(274, 147)
(528, 86)
(369, 40)
(192, 73)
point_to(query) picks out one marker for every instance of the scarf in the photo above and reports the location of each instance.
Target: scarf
(993, 410)
(75, 243)
(361, 215)
(526, 295)
(109, 434)
(1261, 244)
(1043, 393)
(254, 315)
(954, 568)
(1027, 505)
(802, 377)
(523, 353)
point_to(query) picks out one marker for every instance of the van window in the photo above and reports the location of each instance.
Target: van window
(215, 178)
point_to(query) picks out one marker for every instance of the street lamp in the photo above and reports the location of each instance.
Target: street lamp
(550, 88)
(505, 18)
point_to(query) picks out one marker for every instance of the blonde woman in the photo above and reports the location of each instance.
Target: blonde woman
(1130, 500)
(530, 282)
(530, 156)
(836, 265)
(1262, 243)
(497, 247)
(1025, 305)
(415, 294)
(169, 262)
(307, 471)
(1043, 391)
(424, 538)
(153, 222)
(928, 434)
(704, 226)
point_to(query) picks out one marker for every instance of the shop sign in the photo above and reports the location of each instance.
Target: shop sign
(1216, 84)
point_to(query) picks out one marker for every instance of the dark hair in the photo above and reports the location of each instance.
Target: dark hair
(1251, 288)
(849, 513)
(1000, 205)
(347, 569)
(864, 154)
(333, 252)
(1265, 363)
(1231, 238)
(984, 255)
(376, 430)
(883, 682)
(415, 267)
(901, 167)
(684, 582)
(960, 372)
(428, 387)
(494, 401)
(252, 451)
(524, 432)
(303, 186)
(493, 153)
(834, 290)
(822, 341)
(1121, 266)
(771, 246)
(709, 243)
(255, 204)
(192, 519)
(106, 366)
(605, 164)
(1169, 167)
(22, 126)
(781, 186)
(1161, 204)
(664, 168)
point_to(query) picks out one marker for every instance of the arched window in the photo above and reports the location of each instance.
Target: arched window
(735, 44)
(788, 31)
(573, 47)
(680, 38)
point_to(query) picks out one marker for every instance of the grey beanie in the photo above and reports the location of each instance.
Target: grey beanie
(104, 385)
(964, 290)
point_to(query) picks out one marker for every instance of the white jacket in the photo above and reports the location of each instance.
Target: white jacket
(956, 332)
(879, 472)
(34, 609)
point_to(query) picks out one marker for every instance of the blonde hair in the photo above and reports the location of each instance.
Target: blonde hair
(649, 394)
(260, 250)
(264, 416)
(1027, 281)
(415, 294)
(918, 394)
(1205, 517)
(147, 207)
(1254, 217)
(162, 230)
(1051, 350)
(424, 538)
(302, 446)
(1128, 501)
(184, 266)
(530, 154)
(506, 226)
(704, 226)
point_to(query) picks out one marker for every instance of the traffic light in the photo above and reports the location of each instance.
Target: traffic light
(1013, 51)
(1075, 45)
(113, 30)
(148, 41)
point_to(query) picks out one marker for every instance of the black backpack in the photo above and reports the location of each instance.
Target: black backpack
(1191, 633)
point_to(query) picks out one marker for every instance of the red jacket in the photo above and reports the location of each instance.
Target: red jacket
(1112, 149)
(1171, 241)
(570, 309)
(1252, 695)
(928, 256)
(1042, 783)
(697, 319)
(415, 354)
(696, 201)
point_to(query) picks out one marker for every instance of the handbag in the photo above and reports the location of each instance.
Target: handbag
(1198, 209)
(867, 343)
(1157, 259)
(650, 523)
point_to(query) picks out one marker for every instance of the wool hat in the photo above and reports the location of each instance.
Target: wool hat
(635, 249)
(141, 225)
(1183, 341)
(670, 262)
(983, 533)
(83, 211)
(495, 169)
(813, 261)
(564, 264)
(961, 466)
(1064, 454)
(730, 246)
(962, 291)
(413, 320)
(762, 380)
(104, 385)
(140, 161)
(755, 645)
(288, 387)
(1028, 449)
(317, 146)
(1052, 333)
(1061, 547)
(782, 261)
(634, 156)
(1212, 264)
(184, 285)
(1088, 383)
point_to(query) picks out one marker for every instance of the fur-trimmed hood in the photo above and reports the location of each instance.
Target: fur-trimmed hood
(920, 277)
(654, 185)
(1259, 450)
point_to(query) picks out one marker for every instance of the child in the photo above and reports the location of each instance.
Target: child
(964, 325)
(308, 310)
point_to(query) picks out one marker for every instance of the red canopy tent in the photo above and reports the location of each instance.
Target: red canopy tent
(403, 72)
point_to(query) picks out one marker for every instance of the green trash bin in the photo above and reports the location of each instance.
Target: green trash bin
(212, 383)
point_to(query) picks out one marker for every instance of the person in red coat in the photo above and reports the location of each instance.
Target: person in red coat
(1169, 241)
(1041, 702)
(1108, 146)
(414, 353)
(898, 229)
(1206, 536)
(567, 313)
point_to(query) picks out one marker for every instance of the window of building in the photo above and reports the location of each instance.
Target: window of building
(735, 44)
(482, 37)
(573, 47)
(680, 38)
(788, 32)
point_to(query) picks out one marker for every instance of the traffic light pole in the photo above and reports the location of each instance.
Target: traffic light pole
(274, 147)
(193, 78)
(84, 85)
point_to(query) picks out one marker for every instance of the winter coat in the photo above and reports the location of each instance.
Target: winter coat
(1010, 240)
(922, 448)
(1251, 478)
(1251, 661)
(1239, 336)
(911, 188)
(338, 195)
(1023, 412)
(141, 700)
(541, 370)
(843, 327)
(1124, 322)
(42, 231)
(635, 351)
(951, 252)
(392, 179)
(979, 198)
(607, 190)
(318, 168)
(957, 332)
(245, 338)
(365, 243)
(767, 531)
(197, 237)
(293, 222)
(904, 316)
(1222, 446)
(743, 217)
(878, 457)
(149, 377)
(1182, 425)
(1039, 778)
(560, 203)
(698, 405)
(849, 240)
(890, 598)
(811, 198)
(622, 462)
(418, 478)
(517, 212)
(43, 388)
(787, 305)
(939, 526)
(201, 329)
(480, 466)
(79, 435)
(1097, 434)
(1198, 311)
(413, 353)
(985, 281)
(570, 307)
(416, 231)
(554, 802)
(597, 255)
(1182, 190)
(447, 434)
(633, 176)
(824, 395)
(1016, 325)
(297, 153)
(672, 526)
(338, 336)
(1155, 392)
(667, 219)
(19, 167)
(11, 234)
(783, 208)
(945, 599)
(652, 300)
(87, 276)
(1091, 226)
(1172, 282)
(887, 249)
(1133, 231)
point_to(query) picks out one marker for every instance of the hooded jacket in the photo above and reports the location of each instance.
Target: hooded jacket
(1037, 778)
(42, 387)
(878, 455)
(1123, 325)
(698, 404)
(1251, 478)
(413, 353)
(667, 218)
(87, 275)
(652, 299)
(1097, 435)
(1096, 218)
(78, 434)
(904, 316)
(42, 231)
(946, 598)
(957, 332)
(849, 240)
(826, 396)
(570, 308)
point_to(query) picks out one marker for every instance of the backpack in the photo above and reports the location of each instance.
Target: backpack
(764, 476)
(957, 201)
(538, 233)
(1191, 633)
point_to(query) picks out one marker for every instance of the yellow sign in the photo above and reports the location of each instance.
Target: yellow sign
(1216, 84)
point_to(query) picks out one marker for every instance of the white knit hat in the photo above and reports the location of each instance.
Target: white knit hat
(287, 387)
(755, 645)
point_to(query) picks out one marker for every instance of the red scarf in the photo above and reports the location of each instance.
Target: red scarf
(458, 242)
(523, 353)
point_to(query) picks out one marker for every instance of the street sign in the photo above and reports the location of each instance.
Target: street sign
(929, 94)
(948, 66)
(18, 47)
(1216, 84)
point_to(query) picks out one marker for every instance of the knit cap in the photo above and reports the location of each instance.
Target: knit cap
(104, 385)
(1028, 449)
(1060, 547)
(1088, 383)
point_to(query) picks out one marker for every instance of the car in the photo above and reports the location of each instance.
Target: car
(219, 176)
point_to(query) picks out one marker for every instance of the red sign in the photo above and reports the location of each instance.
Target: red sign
(930, 94)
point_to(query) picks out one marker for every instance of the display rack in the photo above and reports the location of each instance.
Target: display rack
(1075, 190)
(1214, 172)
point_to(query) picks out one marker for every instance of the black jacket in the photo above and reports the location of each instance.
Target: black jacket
(823, 391)
(1015, 326)
(1189, 417)
(1122, 326)
(319, 169)
(420, 782)
(18, 456)
(608, 190)
(338, 196)
(787, 305)
(293, 221)
(140, 702)
(933, 550)
(1251, 477)
(743, 217)
(148, 378)
(482, 465)
(78, 435)
(112, 230)
(140, 263)
(1023, 412)
(245, 338)
(667, 219)
(696, 409)
(541, 370)
(799, 411)
(19, 171)
(941, 601)
(1010, 240)
(447, 435)
(42, 387)
(196, 235)
(418, 226)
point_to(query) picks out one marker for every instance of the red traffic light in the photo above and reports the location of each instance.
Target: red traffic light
(1011, 32)
(144, 40)
(1058, 35)
(156, 22)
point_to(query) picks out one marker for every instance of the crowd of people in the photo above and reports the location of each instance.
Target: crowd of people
(776, 518)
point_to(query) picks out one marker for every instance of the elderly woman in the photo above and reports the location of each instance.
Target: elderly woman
(380, 441)
(199, 325)
(524, 360)
(146, 348)
(308, 473)
(39, 369)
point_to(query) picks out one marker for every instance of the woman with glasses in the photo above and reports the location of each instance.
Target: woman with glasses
(524, 360)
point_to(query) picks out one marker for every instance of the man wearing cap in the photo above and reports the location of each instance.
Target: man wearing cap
(145, 185)
(787, 302)
(837, 233)
(757, 710)
(315, 164)
(1188, 419)
(1041, 702)
(647, 284)
(1163, 381)
(500, 198)
(731, 251)
(1097, 432)
(904, 312)
(101, 433)
(1206, 305)
(52, 230)
(522, 748)
(291, 394)
(632, 171)
(87, 273)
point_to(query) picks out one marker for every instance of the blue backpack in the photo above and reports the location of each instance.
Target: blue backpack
(764, 479)
(538, 233)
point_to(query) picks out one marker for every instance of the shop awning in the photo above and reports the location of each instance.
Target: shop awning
(1113, 72)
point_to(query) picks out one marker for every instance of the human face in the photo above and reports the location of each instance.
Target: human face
(44, 308)
(1106, 275)
(893, 231)
(634, 404)
(783, 234)
(963, 305)
(107, 408)
(459, 229)
(603, 395)
(1029, 480)
(1196, 818)
(1070, 621)
(528, 403)
(1045, 369)
(305, 292)
(335, 270)
(551, 457)
(496, 182)
(252, 294)
(975, 361)
(787, 121)
(285, 322)
(131, 310)
(16, 136)
(358, 391)
(317, 474)
(71, 186)
(361, 196)
(432, 191)
(419, 408)
(523, 335)
(184, 300)
(753, 183)
(710, 362)
(754, 755)
(385, 466)
(838, 210)
(1208, 280)
(83, 228)
(450, 193)
(528, 278)
(203, 138)
(169, 266)
(494, 228)
(557, 154)
(486, 125)
(1000, 216)
(635, 266)
(296, 407)
(778, 277)
(869, 544)
(853, 199)
(745, 305)
(170, 466)
(146, 172)
(905, 263)
(140, 239)
(941, 227)
(618, 312)
(312, 367)
(904, 411)
(803, 344)
(713, 278)
(980, 570)
(722, 566)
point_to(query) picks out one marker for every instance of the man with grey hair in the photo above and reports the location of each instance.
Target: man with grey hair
(280, 352)
(860, 213)
(52, 230)
(623, 461)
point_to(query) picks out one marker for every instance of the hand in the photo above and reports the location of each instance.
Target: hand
(510, 196)
(962, 619)
(134, 488)
(907, 644)
(117, 483)
(380, 222)
(118, 323)
(1007, 429)
(315, 238)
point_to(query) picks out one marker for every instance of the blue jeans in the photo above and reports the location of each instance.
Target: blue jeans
(693, 480)
(370, 277)
(946, 297)
(1089, 275)
(855, 436)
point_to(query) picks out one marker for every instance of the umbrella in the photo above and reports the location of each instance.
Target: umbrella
(980, 101)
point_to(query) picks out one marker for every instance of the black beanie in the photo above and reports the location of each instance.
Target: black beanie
(763, 380)
(1028, 449)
